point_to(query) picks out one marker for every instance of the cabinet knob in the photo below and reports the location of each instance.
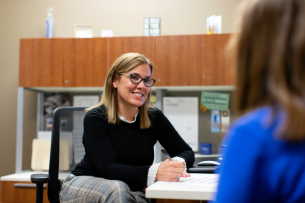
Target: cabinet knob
(159, 80)
(66, 81)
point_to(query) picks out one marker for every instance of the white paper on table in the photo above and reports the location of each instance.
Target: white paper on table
(201, 179)
(182, 112)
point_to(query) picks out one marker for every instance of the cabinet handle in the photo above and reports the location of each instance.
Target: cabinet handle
(66, 81)
(27, 185)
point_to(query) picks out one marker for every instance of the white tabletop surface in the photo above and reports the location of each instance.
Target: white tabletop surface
(26, 176)
(172, 190)
(159, 190)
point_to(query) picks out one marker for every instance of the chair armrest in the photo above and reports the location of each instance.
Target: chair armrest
(40, 178)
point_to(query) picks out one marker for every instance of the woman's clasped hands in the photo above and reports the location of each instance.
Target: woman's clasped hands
(171, 171)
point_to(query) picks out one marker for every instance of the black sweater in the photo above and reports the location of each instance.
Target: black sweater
(124, 151)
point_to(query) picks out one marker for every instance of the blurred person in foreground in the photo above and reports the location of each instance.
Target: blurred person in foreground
(265, 156)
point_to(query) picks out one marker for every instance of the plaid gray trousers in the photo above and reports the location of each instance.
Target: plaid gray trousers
(77, 189)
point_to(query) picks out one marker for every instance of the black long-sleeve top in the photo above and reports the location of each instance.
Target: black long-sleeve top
(124, 151)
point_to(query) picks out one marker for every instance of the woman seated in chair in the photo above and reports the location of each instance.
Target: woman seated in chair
(119, 137)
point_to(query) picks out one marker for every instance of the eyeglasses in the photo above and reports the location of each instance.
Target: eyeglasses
(136, 79)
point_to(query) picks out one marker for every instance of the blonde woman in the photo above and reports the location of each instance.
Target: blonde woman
(264, 160)
(119, 138)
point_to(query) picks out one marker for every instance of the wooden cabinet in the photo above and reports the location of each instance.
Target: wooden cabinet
(41, 62)
(185, 60)
(218, 69)
(179, 60)
(121, 45)
(192, 60)
(85, 62)
(13, 191)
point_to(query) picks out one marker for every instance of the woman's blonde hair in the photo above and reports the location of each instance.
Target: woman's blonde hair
(270, 61)
(122, 65)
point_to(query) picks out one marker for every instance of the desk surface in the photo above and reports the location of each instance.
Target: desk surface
(159, 190)
(172, 190)
(26, 176)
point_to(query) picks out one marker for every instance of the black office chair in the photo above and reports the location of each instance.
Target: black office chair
(54, 184)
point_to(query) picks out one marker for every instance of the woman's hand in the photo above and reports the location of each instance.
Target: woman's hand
(185, 174)
(171, 171)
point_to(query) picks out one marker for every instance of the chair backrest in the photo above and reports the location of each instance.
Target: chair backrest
(54, 182)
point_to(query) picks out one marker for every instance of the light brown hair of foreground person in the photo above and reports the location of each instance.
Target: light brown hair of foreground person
(270, 61)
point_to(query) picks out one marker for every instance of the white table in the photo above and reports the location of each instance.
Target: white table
(26, 176)
(172, 190)
(159, 190)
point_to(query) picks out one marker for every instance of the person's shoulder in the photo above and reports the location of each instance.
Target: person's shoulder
(251, 128)
(154, 112)
(256, 122)
(99, 111)
(257, 117)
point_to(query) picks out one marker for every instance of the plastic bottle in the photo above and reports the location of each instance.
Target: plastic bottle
(50, 22)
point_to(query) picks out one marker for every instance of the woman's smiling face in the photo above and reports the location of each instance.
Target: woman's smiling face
(130, 94)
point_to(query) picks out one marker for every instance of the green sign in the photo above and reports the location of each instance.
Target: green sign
(214, 100)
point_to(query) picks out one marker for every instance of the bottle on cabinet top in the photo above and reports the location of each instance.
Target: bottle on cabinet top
(50, 22)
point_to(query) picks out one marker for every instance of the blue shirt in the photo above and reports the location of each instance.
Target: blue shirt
(258, 166)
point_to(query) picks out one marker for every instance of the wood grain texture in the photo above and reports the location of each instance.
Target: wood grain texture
(122, 45)
(230, 73)
(191, 60)
(40, 62)
(179, 60)
(217, 69)
(85, 62)
(185, 60)
(10, 193)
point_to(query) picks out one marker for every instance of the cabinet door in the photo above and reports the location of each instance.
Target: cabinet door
(40, 62)
(217, 63)
(179, 60)
(191, 60)
(17, 193)
(85, 62)
(122, 45)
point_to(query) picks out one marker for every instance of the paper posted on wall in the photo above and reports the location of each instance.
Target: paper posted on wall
(182, 112)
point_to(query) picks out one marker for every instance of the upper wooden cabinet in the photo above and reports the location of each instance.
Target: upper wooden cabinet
(85, 62)
(179, 60)
(192, 60)
(185, 60)
(41, 62)
(217, 61)
(122, 45)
